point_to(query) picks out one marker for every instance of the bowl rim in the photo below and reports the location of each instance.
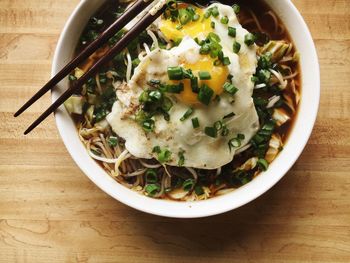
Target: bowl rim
(210, 207)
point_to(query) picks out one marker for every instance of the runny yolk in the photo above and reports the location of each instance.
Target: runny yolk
(218, 78)
(193, 28)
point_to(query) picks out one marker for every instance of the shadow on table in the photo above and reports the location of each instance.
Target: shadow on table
(237, 231)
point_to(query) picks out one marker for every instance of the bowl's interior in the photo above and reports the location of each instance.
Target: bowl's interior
(297, 140)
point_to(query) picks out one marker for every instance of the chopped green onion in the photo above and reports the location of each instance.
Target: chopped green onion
(207, 13)
(218, 125)
(167, 104)
(195, 17)
(148, 125)
(136, 62)
(212, 37)
(195, 123)
(188, 185)
(205, 94)
(263, 164)
(212, 24)
(143, 97)
(156, 149)
(177, 41)
(231, 31)
(226, 61)
(236, 47)
(234, 143)
(175, 88)
(152, 189)
(155, 95)
(269, 126)
(72, 77)
(221, 55)
(230, 88)
(198, 190)
(205, 49)
(112, 141)
(240, 136)
(187, 73)
(154, 82)
(175, 73)
(249, 39)
(194, 85)
(230, 115)
(164, 155)
(184, 16)
(225, 131)
(224, 20)
(236, 8)
(151, 176)
(187, 114)
(215, 11)
(181, 156)
(257, 139)
(217, 62)
(211, 132)
(140, 116)
(204, 75)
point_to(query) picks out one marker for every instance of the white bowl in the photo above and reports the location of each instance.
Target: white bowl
(293, 148)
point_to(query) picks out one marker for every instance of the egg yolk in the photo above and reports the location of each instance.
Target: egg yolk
(216, 82)
(193, 28)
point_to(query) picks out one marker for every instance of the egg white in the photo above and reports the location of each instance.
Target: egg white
(200, 150)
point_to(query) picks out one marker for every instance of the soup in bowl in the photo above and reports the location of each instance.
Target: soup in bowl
(203, 112)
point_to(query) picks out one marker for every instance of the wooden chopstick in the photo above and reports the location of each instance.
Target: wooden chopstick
(148, 19)
(130, 13)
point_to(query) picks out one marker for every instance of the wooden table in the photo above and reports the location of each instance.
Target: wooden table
(51, 212)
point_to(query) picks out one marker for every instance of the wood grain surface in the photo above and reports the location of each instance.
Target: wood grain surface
(51, 212)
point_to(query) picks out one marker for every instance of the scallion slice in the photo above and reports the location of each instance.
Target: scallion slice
(263, 164)
(164, 155)
(225, 131)
(230, 88)
(148, 125)
(181, 156)
(187, 114)
(194, 84)
(155, 95)
(231, 31)
(188, 185)
(211, 132)
(184, 16)
(236, 47)
(224, 20)
(205, 94)
(112, 141)
(236, 8)
(218, 125)
(249, 39)
(151, 176)
(230, 115)
(152, 189)
(175, 88)
(234, 143)
(226, 61)
(195, 123)
(175, 73)
(204, 75)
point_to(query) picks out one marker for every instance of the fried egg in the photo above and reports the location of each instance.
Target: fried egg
(176, 135)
